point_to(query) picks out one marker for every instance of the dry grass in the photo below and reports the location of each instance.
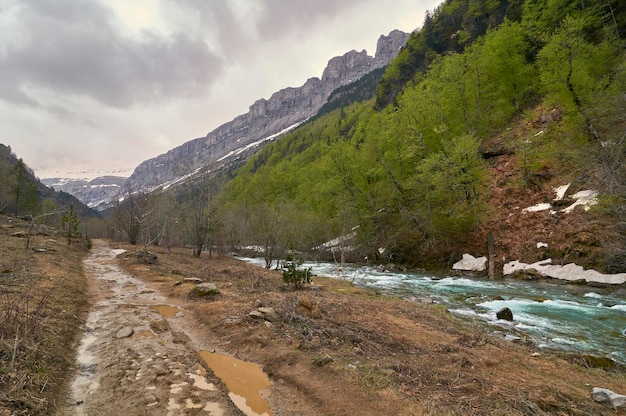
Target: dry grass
(388, 356)
(42, 304)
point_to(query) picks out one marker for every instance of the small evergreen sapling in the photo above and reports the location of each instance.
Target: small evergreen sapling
(70, 223)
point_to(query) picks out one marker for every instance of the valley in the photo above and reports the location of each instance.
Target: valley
(324, 347)
(324, 355)
(460, 197)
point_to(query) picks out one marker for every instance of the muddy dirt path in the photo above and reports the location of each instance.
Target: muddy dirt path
(137, 355)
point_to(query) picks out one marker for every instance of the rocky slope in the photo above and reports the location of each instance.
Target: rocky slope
(265, 120)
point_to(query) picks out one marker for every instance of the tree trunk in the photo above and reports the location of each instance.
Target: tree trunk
(579, 106)
(492, 256)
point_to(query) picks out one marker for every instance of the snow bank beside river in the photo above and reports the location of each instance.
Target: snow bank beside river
(571, 272)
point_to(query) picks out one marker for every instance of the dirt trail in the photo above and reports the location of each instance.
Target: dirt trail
(133, 360)
(332, 349)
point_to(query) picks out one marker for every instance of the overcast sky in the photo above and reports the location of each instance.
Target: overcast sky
(94, 87)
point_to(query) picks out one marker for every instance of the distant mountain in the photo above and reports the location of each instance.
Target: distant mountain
(235, 141)
(96, 193)
(40, 192)
(267, 119)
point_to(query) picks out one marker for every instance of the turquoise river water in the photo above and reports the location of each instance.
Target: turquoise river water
(557, 316)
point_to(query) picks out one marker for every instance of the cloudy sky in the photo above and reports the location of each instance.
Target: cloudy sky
(94, 87)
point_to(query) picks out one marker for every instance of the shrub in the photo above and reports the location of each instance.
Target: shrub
(298, 277)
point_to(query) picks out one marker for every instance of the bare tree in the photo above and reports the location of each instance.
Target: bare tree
(201, 216)
(271, 226)
(128, 214)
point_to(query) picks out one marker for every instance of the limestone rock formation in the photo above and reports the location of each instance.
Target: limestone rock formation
(265, 120)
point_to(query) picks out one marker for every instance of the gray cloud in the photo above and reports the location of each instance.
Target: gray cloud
(295, 16)
(219, 21)
(76, 48)
(97, 84)
(240, 26)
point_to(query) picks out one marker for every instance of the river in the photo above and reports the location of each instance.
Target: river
(556, 316)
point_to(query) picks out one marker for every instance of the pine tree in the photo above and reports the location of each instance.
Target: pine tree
(24, 191)
(70, 223)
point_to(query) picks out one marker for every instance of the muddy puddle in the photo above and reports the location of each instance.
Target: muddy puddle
(244, 381)
(166, 310)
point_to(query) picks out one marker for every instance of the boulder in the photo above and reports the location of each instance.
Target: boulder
(147, 257)
(323, 360)
(505, 314)
(125, 332)
(256, 314)
(204, 290)
(608, 397)
(307, 307)
(268, 314)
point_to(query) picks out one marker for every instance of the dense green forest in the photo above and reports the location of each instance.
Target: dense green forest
(406, 172)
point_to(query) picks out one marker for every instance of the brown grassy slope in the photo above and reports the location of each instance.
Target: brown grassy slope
(534, 160)
(340, 350)
(42, 304)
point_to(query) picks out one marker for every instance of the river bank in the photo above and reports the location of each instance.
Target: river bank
(336, 349)
(331, 349)
(550, 313)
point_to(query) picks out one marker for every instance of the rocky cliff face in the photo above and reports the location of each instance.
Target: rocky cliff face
(265, 120)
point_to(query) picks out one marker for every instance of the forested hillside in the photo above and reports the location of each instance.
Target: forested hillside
(451, 27)
(21, 193)
(489, 102)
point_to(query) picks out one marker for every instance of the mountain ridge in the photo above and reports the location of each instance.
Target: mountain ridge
(239, 138)
(266, 118)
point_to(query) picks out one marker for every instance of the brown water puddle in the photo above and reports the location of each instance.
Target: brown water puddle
(243, 379)
(166, 310)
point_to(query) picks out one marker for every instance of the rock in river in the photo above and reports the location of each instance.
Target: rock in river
(505, 313)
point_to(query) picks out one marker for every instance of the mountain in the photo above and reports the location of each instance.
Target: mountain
(33, 192)
(265, 120)
(360, 90)
(93, 193)
(487, 152)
